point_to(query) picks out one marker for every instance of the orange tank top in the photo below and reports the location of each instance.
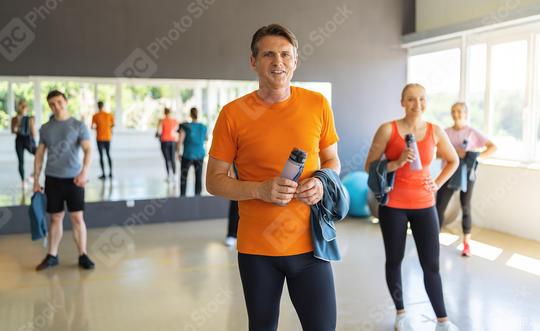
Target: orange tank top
(168, 129)
(409, 191)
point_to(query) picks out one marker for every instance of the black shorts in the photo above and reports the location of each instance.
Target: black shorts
(63, 190)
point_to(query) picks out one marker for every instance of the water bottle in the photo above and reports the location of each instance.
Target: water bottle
(295, 165)
(464, 144)
(416, 165)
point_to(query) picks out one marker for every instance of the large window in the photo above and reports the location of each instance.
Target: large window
(508, 83)
(497, 79)
(476, 87)
(438, 72)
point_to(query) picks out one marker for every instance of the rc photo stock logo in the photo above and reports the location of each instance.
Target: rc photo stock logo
(18, 34)
(15, 37)
(141, 63)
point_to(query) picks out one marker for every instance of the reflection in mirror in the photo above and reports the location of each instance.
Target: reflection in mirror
(137, 109)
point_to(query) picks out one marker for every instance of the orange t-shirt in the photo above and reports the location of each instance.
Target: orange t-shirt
(259, 138)
(104, 122)
(409, 191)
(169, 126)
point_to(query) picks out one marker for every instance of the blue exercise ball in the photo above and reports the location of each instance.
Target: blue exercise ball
(356, 184)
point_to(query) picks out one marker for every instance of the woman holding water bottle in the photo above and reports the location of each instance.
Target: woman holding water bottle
(464, 138)
(409, 144)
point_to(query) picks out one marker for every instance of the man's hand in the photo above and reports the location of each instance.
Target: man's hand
(277, 190)
(310, 191)
(80, 180)
(37, 187)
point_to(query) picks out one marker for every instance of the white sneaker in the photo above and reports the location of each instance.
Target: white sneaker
(446, 326)
(230, 241)
(402, 323)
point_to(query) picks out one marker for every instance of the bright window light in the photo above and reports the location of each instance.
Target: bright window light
(524, 263)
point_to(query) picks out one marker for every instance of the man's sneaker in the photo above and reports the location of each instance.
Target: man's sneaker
(402, 323)
(230, 241)
(110, 175)
(85, 262)
(446, 326)
(102, 177)
(48, 261)
(466, 249)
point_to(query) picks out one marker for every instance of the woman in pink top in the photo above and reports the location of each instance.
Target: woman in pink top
(166, 132)
(464, 139)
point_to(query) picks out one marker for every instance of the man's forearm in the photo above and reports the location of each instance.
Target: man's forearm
(38, 163)
(333, 164)
(233, 189)
(86, 161)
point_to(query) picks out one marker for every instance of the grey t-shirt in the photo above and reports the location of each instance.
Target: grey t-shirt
(63, 140)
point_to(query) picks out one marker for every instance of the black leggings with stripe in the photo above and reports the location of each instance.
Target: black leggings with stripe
(425, 230)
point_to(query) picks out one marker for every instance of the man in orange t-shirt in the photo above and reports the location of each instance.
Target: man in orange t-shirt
(103, 122)
(257, 132)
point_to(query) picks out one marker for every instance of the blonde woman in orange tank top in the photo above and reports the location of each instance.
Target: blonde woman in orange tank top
(412, 200)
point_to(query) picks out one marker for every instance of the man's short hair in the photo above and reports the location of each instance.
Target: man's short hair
(55, 93)
(100, 104)
(272, 30)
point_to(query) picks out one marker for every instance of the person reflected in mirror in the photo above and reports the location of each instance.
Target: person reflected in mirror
(166, 132)
(192, 137)
(103, 122)
(23, 127)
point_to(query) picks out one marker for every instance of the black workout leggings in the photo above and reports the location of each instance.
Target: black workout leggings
(104, 146)
(23, 143)
(185, 165)
(168, 150)
(425, 230)
(311, 289)
(233, 219)
(443, 198)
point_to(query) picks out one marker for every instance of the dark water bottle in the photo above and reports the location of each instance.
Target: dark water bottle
(464, 144)
(416, 165)
(295, 165)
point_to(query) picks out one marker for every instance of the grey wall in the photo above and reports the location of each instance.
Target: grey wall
(362, 58)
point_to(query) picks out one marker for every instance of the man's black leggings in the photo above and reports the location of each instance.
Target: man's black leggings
(168, 150)
(234, 217)
(104, 146)
(444, 194)
(23, 143)
(425, 230)
(311, 289)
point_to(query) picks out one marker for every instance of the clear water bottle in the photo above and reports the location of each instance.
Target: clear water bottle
(416, 165)
(295, 165)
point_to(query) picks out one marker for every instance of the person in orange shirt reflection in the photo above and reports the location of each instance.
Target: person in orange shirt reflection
(103, 122)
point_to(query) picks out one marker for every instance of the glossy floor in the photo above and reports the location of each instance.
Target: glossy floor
(179, 276)
(134, 179)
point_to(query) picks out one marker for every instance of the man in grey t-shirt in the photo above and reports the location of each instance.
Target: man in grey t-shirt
(62, 138)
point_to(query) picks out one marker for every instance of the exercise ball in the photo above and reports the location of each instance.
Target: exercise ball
(356, 184)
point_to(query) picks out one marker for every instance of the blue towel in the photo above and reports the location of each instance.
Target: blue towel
(332, 207)
(38, 216)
